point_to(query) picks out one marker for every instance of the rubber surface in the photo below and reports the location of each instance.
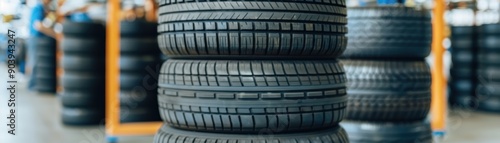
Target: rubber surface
(139, 114)
(132, 80)
(83, 81)
(388, 91)
(83, 116)
(81, 63)
(83, 45)
(250, 96)
(388, 32)
(137, 28)
(364, 132)
(171, 135)
(251, 29)
(82, 98)
(139, 45)
(139, 97)
(83, 29)
(139, 63)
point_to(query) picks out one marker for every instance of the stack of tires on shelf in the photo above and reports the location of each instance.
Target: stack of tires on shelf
(139, 65)
(45, 72)
(388, 79)
(83, 79)
(462, 72)
(488, 71)
(252, 71)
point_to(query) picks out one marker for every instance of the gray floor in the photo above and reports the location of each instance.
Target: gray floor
(38, 122)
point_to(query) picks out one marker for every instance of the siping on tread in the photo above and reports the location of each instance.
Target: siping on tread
(171, 135)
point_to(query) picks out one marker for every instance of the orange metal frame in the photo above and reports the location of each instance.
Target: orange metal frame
(113, 125)
(439, 104)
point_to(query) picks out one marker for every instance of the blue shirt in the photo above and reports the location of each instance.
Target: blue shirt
(37, 14)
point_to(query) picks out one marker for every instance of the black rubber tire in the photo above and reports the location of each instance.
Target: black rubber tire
(81, 63)
(489, 58)
(251, 29)
(388, 32)
(489, 74)
(490, 105)
(462, 58)
(462, 31)
(82, 98)
(168, 134)
(140, 114)
(462, 43)
(45, 85)
(388, 91)
(83, 29)
(365, 132)
(83, 46)
(46, 47)
(463, 86)
(139, 63)
(132, 80)
(83, 81)
(45, 62)
(139, 45)
(489, 29)
(139, 97)
(82, 116)
(138, 28)
(240, 96)
(465, 73)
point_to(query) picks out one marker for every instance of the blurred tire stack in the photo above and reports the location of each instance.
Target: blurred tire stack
(388, 79)
(462, 81)
(45, 75)
(83, 79)
(488, 75)
(252, 71)
(139, 65)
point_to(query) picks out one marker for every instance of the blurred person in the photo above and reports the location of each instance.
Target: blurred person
(37, 32)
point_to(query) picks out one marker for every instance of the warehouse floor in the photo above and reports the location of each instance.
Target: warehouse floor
(38, 122)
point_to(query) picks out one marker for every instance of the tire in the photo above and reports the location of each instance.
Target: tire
(82, 98)
(489, 59)
(131, 80)
(167, 134)
(82, 81)
(46, 62)
(46, 47)
(409, 36)
(489, 74)
(490, 105)
(461, 72)
(139, 45)
(462, 31)
(465, 58)
(251, 96)
(139, 97)
(251, 29)
(139, 63)
(388, 91)
(139, 114)
(83, 29)
(84, 46)
(462, 43)
(138, 28)
(82, 116)
(46, 85)
(83, 63)
(364, 132)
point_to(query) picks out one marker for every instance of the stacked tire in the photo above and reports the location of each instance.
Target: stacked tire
(83, 80)
(140, 62)
(242, 71)
(388, 79)
(45, 75)
(488, 87)
(462, 82)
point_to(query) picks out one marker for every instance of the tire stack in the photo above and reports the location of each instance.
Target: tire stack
(388, 79)
(252, 71)
(139, 65)
(462, 82)
(488, 75)
(45, 75)
(83, 80)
